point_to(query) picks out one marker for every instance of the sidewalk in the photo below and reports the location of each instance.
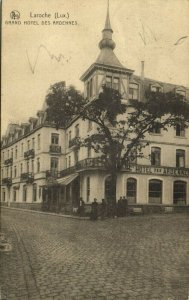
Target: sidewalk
(46, 213)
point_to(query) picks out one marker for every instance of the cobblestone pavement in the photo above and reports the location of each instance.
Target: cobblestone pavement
(139, 257)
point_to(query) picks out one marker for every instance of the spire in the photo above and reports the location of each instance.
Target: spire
(107, 23)
(107, 41)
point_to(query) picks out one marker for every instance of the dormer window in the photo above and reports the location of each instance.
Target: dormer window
(156, 88)
(133, 91)
(180, 92)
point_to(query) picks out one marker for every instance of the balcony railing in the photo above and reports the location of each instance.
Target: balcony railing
(55, 149)
(88, 163)
(52, 174)
(27, 177)
(74, 142)
(29, 154)
(7, 181)
(8, 161)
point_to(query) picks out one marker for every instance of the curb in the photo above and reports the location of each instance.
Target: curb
(45, 213)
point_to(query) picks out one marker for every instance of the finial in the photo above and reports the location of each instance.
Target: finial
(107, 23)
(107, 41)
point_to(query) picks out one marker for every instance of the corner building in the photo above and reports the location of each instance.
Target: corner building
(42, 168)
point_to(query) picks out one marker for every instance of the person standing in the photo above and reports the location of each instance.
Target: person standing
(125, 205)
(103, 209)
(94, 210)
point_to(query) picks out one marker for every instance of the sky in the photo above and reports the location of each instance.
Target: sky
(36, 56)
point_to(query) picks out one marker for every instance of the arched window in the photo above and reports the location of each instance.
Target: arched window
(131, 190)
(155, 191)
(179, 192)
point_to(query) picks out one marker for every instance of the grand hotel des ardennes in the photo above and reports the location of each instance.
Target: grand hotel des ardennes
(42, 165)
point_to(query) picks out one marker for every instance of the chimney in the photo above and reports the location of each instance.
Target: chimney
(142, 70)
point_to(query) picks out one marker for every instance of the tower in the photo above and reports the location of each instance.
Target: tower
(107, 69)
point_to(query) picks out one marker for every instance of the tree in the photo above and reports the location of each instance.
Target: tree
(62, 104)
(121, 128)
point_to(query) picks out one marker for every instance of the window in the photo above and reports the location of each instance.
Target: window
(156, 129)
(12, 153)
(33, 143)
(10, 172)
(14, 195)
(34, 192)
(24, 193)
(77, 130)
(109, 81)
(88, 189)
(15, 171)
(3, 156)
(2, 173)
(156, 156)
(38, 165)
(76, 156)
(88, 151)
(88, 89)
(155, 191)
(91, 87)
(27, 166)
(69, 136)
(21, 168)
(54, 165)
(7, 169)
(180, 158)
(179, 192)
(28, 144)
(131, 190)
(22, 149)
(115, 83)
(16, 152)
(156, 89)
(32, 165)
(180, 130)
(133, 91)
(54, 139)
(38, 141)
(69, 161)
(90, 125)
(3, 195)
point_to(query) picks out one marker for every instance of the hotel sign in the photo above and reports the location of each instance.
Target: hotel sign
(151, 170)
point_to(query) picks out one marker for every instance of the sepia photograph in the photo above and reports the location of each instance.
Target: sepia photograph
(94, 150)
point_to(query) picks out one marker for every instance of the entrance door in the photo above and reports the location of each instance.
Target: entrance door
(109, 189)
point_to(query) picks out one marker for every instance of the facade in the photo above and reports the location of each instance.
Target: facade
(43, 168)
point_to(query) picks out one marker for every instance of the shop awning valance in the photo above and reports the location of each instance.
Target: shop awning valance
(67, 179)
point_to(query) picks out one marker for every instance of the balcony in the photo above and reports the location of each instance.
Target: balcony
(8, 162)
(27, 177)
(88, 163)
(7, 181)
(55, 149)
(74, 142)
(52, 174)
(29, 154)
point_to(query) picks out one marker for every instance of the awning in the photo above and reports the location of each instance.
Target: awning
(67, 179)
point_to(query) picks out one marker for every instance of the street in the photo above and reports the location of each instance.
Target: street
(52, 257)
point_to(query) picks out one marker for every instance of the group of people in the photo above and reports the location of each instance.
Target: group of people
(105, 209)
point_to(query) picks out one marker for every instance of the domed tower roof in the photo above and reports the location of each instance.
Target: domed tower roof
(106, 58)
(107, 45)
